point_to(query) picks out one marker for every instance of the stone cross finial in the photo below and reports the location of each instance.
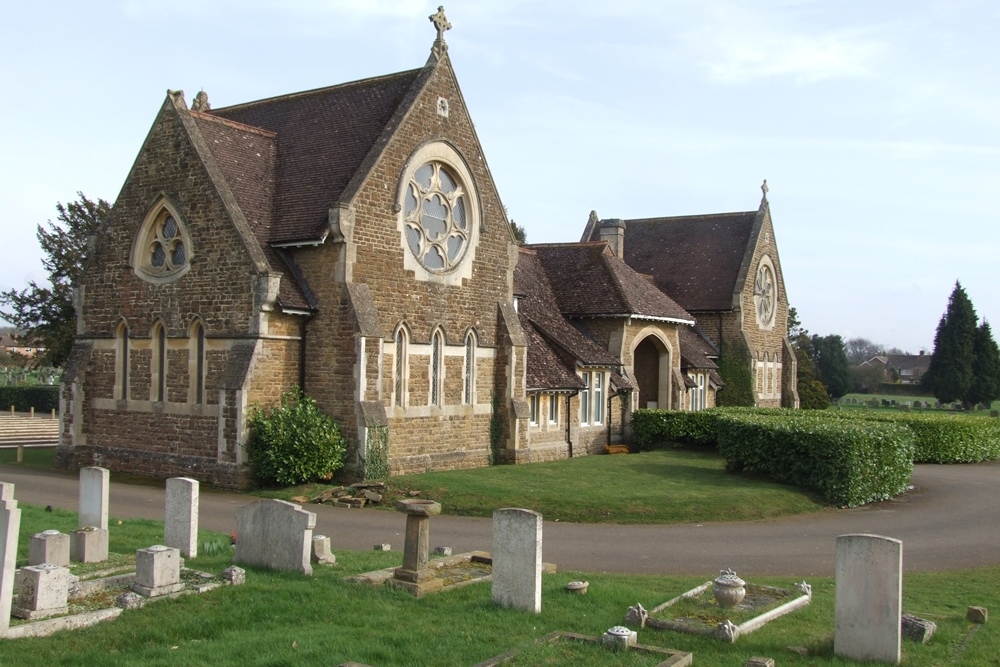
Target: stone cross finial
(764, 188)
(440, 22)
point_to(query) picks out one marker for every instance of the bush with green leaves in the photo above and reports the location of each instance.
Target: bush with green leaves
(660, 429)
(43, 398)
(849, 462)
(294, 442)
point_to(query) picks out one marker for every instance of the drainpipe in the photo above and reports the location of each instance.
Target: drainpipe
(607, 416)
(569, 439)
(302, 352)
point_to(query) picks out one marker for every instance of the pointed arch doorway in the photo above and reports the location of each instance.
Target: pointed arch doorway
(651, 370)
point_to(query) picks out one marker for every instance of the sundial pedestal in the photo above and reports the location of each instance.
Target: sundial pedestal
(414, 575)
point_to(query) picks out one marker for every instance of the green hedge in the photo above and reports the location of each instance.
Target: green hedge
(659, 429)
(850, 464)
(44, 398)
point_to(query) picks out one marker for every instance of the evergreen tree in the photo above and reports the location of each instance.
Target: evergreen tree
(830, 358)
(949, 376)
(45, 316)
(985, 367)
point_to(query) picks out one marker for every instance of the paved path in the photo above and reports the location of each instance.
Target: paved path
(951, 520)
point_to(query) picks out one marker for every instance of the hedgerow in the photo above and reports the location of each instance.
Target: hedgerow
(849, 463)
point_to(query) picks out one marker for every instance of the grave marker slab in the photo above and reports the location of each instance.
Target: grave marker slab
(517, 559)
(10, 524)
(869, 596)
(94, 486)
(88, 545)
(157, 571)
(180, 529)
(275, 534)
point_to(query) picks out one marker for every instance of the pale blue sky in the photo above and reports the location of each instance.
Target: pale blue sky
(876, 124)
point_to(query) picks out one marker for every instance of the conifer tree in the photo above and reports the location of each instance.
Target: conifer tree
(985, 367)
(949, 376)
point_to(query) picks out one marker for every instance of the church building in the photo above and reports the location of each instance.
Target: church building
(350, 241)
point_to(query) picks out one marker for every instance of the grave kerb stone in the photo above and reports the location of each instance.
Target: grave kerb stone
(517, 559)
(869, 593)
(180, 528)
(275, 534)
(49, 546)
(95, 484)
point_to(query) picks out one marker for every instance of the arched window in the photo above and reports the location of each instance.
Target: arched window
(121, 362)
(400, 371)
(159, 374)
(162, 249)
(437, 370)
(470, 369)
(196, 368)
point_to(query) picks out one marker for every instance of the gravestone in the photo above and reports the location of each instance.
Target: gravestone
(88, 545)
(275, 534)
(157, 571)
(94, 486)
(180, 529)
(42, 591)
(10, 524)
(517, 559)
(414, 575)
(49, 546)
(869, 596)
(321, 553)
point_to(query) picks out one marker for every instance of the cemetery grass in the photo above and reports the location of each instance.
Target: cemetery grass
(290, 620)
(663, 486)
(34, 457)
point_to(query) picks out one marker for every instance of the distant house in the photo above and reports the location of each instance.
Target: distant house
(901, 368)
(10, 345)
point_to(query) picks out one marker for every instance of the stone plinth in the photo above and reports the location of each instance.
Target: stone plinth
(89, 545)
(157, 571)
(869, 595)
(49, 546)
(321, 554)
(42, 591)
(414, 576)
(517, 559)
(10, 524)
(180, 528)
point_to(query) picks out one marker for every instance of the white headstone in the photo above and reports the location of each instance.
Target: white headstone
(157, 571)
(49, 546)
(42, 591)
(94, 486)
(180, 529)
(869, 598)
(10, 524)
(517, 559)
(275, 534)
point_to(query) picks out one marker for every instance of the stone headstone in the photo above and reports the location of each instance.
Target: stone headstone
(274, 534)
(917, 629)
(976, 614)
(42, 591)
(88, 545)
(157, 571)
(10, 524)
(869, 593)
(180, 529)
(49, 546)
(517, 559)
(94, 486)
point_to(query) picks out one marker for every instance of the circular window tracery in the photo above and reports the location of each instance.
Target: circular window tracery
(765, 293)
(162, 251)
(435, 215)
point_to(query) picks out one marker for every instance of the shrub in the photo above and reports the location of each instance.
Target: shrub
(848, 463)
(655, 429)
(44, 398)
(294, 442)
(734, 368)
(813, 396)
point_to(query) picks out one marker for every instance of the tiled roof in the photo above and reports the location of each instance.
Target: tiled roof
(695, 259)
(916, 362)
(539, 307)
(587, 280)
(695, 350)
(323, 138)
(545, 369)
(246, 156)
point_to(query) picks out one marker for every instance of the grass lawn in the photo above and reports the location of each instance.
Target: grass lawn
(903, 398)
(283, 619)
(34, 457)
(665, 486)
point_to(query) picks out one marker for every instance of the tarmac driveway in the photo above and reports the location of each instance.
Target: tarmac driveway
(950, 520)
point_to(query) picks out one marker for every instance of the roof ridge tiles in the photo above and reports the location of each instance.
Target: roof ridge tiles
(690, 217)
(201, 115)
(316, 91)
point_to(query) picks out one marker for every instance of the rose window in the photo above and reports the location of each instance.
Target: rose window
(162, 250)
(764, 293)
(436, 217)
